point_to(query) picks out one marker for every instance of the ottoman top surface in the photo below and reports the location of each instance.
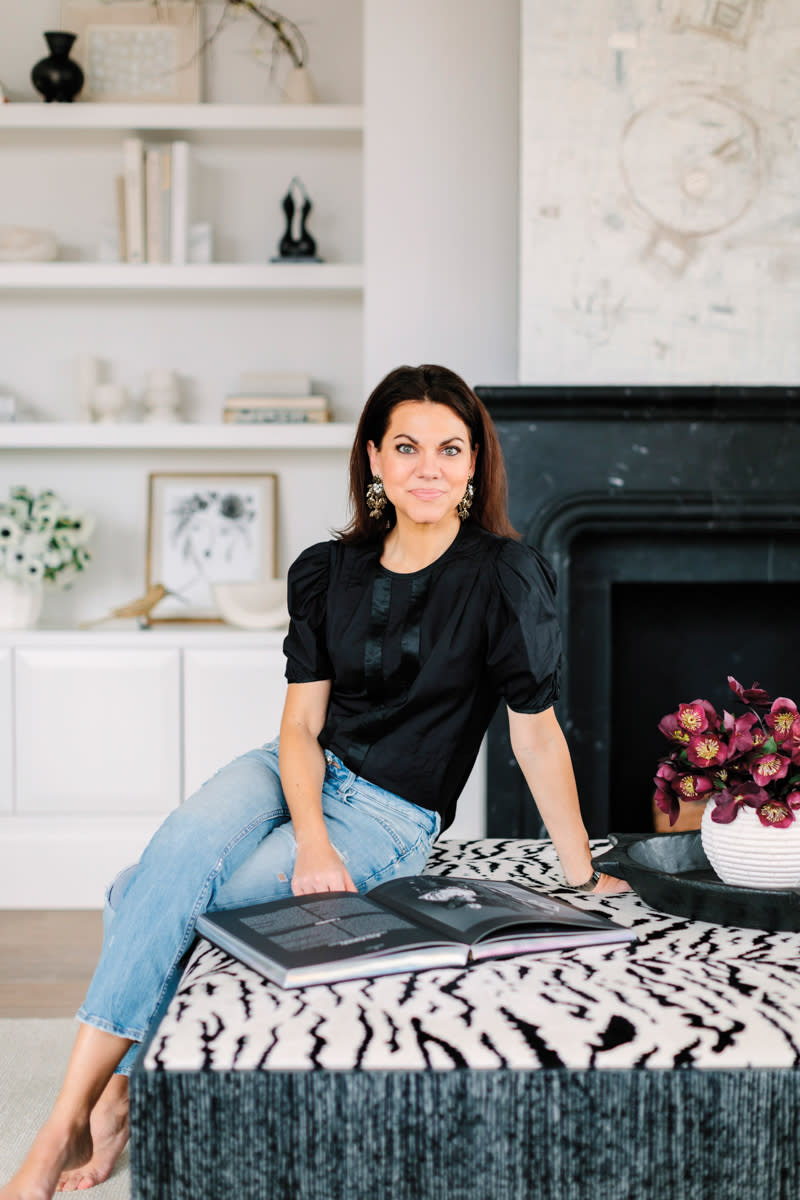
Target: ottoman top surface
(686, 994)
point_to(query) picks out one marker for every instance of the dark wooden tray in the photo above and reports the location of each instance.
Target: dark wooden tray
(671, 873)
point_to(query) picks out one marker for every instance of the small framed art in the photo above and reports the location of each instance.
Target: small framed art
(204, 529)
(136, 51)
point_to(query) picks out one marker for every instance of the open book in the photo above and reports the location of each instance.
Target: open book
(407, 924)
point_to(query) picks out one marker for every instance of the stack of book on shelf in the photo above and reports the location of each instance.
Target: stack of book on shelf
(269, 398)
(153, 203)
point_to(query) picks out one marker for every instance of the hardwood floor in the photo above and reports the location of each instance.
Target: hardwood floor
(46, 960)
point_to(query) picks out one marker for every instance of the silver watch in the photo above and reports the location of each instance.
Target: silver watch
(589, 884)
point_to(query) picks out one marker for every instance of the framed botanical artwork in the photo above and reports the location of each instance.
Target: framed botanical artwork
(204, 529)
(136, 51)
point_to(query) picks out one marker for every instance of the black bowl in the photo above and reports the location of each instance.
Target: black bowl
(671, 873)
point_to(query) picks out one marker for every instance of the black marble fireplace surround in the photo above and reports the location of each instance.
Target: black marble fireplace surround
(672, 519)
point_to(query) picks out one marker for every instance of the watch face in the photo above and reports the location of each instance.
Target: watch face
(692, 162)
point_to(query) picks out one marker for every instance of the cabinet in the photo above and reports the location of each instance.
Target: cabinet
(97, 731)
(6, 732)
(109, 732)
(233, 700)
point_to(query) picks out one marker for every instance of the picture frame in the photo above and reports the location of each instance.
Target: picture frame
(136, 51)
(205, 528)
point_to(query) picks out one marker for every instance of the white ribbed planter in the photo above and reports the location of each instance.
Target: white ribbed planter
(20, 603)
(750, 854)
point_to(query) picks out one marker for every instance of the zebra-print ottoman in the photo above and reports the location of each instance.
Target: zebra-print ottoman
(660, 1070)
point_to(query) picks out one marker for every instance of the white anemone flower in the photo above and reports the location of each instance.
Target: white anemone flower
(46, 519)
(79, 526)
(20, 510)
(52, 559)
(86, 528)
(32, 568)
(10, 532)
(16, 559)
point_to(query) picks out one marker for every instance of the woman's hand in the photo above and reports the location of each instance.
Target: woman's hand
(609, 885)
(319, 867)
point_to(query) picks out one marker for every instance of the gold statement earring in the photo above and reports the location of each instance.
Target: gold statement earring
(376, 497)
(465, 503)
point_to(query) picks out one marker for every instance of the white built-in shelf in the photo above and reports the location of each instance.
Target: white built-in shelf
(335, 435)
(301, 117)
(258, 277)
(121, 634)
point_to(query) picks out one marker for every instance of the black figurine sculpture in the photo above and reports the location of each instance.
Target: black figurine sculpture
(300, 248)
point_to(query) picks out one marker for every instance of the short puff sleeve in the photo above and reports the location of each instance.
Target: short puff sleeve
(524, 639)
(307, 659)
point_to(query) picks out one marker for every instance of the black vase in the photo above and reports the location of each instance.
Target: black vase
(57, 77)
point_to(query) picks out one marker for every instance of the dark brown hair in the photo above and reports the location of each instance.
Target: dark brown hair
(439, 386)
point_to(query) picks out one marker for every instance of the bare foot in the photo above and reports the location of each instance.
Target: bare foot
(109, 1128)
(57, 1146)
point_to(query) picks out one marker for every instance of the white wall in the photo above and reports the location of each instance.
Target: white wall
(441, 181)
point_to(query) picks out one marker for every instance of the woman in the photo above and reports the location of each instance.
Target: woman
(406, 632)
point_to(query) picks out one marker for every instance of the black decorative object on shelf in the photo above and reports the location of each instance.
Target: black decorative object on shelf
(57, 77)
(299, 247)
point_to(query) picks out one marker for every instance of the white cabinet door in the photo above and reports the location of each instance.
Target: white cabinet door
(233, 701)
(6, 727)
(98, 731)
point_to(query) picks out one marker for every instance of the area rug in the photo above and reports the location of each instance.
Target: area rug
(33, 1056)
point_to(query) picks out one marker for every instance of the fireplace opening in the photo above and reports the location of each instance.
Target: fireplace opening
(673, 642)
(652, 614)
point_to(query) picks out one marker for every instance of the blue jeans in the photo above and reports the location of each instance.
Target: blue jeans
(230, 844)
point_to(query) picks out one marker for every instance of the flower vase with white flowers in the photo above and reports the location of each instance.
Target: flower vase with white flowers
(41, 541)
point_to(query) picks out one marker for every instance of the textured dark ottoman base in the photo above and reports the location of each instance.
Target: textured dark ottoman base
(466, 1135)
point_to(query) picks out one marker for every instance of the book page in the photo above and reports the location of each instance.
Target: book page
(326, 923)
(469, 909)
(307, 930)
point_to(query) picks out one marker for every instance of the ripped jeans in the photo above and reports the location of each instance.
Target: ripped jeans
(230, 844)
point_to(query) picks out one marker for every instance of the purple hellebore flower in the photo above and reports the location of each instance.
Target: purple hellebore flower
(728, 802)
(754, 695)
(706, 750)
(776, 814)
(768, 768)
(781, 718)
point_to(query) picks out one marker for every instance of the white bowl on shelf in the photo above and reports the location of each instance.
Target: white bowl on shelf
(253, 605)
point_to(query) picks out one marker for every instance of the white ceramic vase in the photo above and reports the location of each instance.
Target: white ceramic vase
(20, 602)
(299, 87)
(747, 853)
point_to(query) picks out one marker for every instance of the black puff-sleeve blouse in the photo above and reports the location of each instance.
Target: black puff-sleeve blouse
(419, 662)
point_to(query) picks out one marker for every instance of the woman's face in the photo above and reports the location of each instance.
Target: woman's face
(425, 460)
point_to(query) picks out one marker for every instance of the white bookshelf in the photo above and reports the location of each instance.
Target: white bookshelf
(335, 435)
(215, 277)
(318, 118)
